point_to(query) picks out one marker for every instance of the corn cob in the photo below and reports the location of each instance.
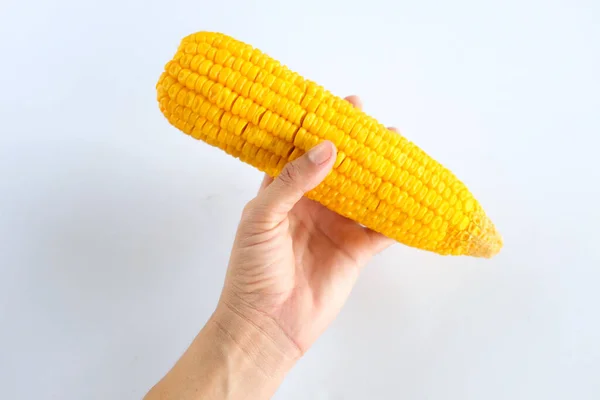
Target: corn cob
(238, 99)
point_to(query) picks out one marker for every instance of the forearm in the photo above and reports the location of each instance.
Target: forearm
(231, 358)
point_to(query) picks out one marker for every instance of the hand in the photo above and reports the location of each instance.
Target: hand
(294, 261)
(292, 267)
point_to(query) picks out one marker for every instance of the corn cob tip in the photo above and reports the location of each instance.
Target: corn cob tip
(488, 243)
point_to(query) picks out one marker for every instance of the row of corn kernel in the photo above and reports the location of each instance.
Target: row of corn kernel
(246, 53)
(204, 58)
(345, 205)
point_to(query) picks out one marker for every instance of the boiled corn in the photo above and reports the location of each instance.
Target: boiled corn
(234, 97)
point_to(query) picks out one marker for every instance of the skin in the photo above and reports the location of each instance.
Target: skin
(292, 268)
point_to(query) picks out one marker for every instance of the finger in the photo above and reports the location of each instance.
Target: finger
(393, 129)
(355, 101)
(297, 178)
(267, 179)
(377, 241)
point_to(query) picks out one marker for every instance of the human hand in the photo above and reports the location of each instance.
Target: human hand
(294, 261)
(292, 267)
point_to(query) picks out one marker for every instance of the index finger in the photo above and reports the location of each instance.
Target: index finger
(265, 182)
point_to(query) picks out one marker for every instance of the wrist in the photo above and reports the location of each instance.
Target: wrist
(257, 338)
(235, 356)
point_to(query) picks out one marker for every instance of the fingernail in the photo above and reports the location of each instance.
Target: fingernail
(320, 153)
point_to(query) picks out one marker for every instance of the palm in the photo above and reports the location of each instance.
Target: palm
(304, 269)
(328, 251)
(327, 247)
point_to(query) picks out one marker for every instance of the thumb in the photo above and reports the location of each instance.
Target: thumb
(297, 178)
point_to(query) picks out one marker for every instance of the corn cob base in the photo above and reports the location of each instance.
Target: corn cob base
(238, 99)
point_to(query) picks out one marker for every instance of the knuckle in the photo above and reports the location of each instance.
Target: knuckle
(289, 174)
(248, 209)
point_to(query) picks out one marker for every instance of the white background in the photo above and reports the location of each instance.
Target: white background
(115, 228)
